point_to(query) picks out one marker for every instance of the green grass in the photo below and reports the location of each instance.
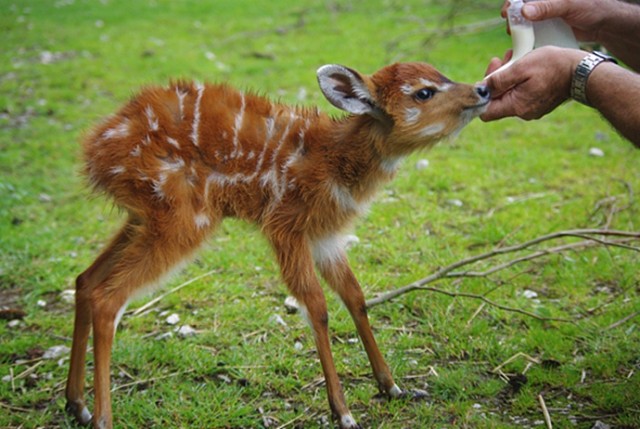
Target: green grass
(516, 181)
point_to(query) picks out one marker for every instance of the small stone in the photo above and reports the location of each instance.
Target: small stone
(173, 319)
(41, 303)
(455, 202)
(594, 151)
(224, 378)
(276, 318)
(68, 296)
(302, 94)
(529, 294)
(298, 346)
(422, 164)
(45, 198)
(14, 323)
(56, 352)
(185, 331)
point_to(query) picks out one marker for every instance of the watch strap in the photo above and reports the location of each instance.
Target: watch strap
(581, 75)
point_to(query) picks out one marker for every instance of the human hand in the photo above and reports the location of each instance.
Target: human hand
(533, 86)
(585, 17)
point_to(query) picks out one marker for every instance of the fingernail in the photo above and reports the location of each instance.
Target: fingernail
(530, 11)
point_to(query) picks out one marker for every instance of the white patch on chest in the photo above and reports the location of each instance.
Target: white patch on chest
(329, 250)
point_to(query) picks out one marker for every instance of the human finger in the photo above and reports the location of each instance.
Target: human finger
(545, 9)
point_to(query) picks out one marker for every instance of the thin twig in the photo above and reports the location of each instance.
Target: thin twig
(518, 355)
(14, 408)
(449, 271)
(175, 289)
(298, 417)
(545, 412)
(150, 380)
(622, 321)
(495, 304)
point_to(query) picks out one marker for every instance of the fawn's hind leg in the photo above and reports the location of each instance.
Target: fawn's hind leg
(85, 283)
(140, 260)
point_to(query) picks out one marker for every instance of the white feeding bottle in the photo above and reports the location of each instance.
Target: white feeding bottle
(527, 35)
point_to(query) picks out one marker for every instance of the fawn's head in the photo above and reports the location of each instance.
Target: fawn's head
(413, 103)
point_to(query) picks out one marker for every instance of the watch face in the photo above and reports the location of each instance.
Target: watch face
(605, 57)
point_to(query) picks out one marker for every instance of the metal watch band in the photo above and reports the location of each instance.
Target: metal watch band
(581, 75)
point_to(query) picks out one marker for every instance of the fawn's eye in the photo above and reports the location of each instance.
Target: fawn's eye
(424, 94)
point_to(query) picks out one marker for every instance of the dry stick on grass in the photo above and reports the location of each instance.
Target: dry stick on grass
(545, 412)
(149, 304)
(622, 321)
(591, 239)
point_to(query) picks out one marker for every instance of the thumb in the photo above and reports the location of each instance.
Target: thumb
(546, 9)
(504, 80)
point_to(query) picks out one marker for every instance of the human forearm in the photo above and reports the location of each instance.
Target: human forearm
(615, 92)
(620, 33)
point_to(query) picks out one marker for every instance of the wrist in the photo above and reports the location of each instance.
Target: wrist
(582, 72)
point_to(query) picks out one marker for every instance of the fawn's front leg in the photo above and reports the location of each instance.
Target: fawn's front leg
(298, 273)
(332, 263)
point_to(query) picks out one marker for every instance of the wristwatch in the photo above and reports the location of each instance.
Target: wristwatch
(581, 75)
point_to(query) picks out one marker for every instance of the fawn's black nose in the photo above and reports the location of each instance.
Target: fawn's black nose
(483, 91)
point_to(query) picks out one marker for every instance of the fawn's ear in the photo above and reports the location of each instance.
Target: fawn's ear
(346, 89)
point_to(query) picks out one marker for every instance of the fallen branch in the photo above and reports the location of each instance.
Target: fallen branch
(592, 238)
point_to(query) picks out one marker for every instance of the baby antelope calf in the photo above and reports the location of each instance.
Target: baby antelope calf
(179, 159)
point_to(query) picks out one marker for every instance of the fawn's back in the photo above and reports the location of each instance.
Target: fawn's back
(210, 150)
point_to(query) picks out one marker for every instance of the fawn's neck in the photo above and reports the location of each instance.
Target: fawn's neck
(356, 156)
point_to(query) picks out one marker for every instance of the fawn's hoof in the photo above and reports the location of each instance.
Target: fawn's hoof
(79, 411)
(348, 422)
